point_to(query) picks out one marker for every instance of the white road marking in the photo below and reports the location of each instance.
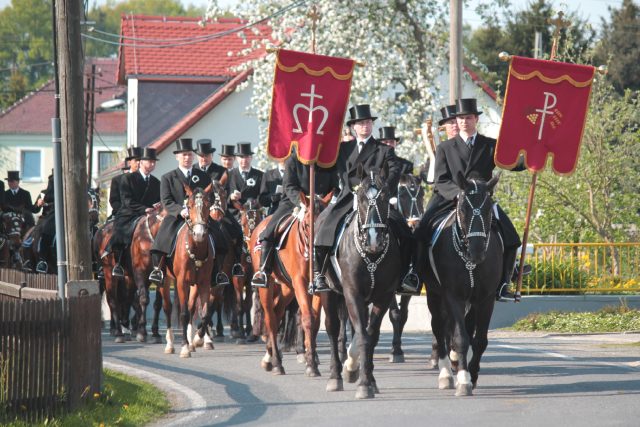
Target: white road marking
(547, 353)
(197, 402)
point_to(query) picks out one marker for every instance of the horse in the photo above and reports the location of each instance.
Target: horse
(291, 270)
(251, 215)
(463, 275)
(191, 267)
(14, 228)
(367, 270)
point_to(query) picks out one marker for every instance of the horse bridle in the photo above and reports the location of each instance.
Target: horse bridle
(251, 214)
(460, 240)
(414, 206)
(95, 205)
(199, 203)
(358, 233)
(16, 226)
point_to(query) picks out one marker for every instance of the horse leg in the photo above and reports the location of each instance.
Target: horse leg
(271, 360)
(479, 342)
(167, 306)
(434, 303)
(219, 337)
(299, 337)
(330, 303)
(306, 317)
(114, 307)
(237, 328)
(459, 345)
(342, 337)
(397, 355)
(373, 330)
(205, 310)
(316, 306)
(246, 307)
(358, 315)
(157, 306)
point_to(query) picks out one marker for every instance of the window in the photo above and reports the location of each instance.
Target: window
(106, 159)
(31, 165)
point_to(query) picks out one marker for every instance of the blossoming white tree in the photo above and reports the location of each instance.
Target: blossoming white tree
(403, 44)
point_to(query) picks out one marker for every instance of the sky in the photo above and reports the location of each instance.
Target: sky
(592, 10)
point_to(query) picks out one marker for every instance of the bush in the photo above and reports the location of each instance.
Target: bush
(608, 319)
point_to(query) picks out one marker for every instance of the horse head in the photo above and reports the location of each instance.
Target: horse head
(218, 201)
(14, 228)
(250, 215)
(372, 206)
(410, 199)
(198, 204)
(474, 213)
(94, 207)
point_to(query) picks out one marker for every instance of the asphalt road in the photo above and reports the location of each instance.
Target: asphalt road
(525, 379)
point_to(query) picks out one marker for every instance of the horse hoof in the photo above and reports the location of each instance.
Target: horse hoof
(267, 366)
(252, 338)
(300, 358)
(141, 338)
(157, 340)
(432, 364)
(218, 338)
(185, 353)
(208, 346)
(396, 358)
(241, 341)
(119, 340)
(278, 370)
(464, 390)
(350, 376)
(192, 348)
(198, 341)
(335, 385)
(445, 383)
(169, 350)
(374, 387)
(312, 372)
(364, 392)
(127, 337)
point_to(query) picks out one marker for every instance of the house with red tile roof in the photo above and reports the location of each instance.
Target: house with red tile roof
(25, 129)
(181, 75)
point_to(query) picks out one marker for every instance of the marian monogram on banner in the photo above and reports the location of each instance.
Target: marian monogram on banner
(310, 97)
(544, 114)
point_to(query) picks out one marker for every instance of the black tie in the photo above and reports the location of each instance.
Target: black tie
(189, 175)
(360, 146)
(146, 180)
(470, 142)
(245, 175)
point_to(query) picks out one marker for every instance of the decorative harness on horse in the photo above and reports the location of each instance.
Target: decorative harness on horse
(199, 221)
(460, 243)
(372, 266)
(415, 209)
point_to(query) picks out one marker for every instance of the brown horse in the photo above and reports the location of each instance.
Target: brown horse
(292, 272)
(191, 266)
(251, 214)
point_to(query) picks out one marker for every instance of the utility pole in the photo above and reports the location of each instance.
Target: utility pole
(91, 120)
(455, 50)
(74, 158)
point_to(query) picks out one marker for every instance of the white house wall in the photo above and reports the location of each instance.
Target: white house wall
(132, 112)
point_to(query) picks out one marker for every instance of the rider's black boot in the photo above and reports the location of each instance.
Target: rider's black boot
(509, 259)
(157, 275)
(259, 279)
(319, 268)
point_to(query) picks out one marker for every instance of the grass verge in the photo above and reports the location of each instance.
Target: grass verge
(607, 319)
(125, 401)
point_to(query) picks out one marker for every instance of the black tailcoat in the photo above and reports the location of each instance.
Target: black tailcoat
(115, 199)
(215, 171)
(247, 190)
(21, 203)
(172, 196)
(296, 180)
(373, 156)
(136, 197)
(270, 181)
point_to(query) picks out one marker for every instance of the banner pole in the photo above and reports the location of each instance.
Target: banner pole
(525, 235)
(315, 16)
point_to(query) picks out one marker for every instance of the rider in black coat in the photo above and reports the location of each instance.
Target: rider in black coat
(269, 196)
(48, 225)
(131, 165)
(473, 160)
(244, 181)
(371, 155)
(18, 199)
(295, 181)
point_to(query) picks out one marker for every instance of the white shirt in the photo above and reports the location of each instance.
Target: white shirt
(186, 172)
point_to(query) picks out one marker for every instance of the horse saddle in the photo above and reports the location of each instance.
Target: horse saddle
(439, 223)
(282, 230)
(27, 240)
(342, 226)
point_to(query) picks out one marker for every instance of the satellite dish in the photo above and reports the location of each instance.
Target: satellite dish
(112, 103)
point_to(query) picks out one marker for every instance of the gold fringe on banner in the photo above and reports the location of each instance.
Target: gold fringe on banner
(550, 80)
(315, 73)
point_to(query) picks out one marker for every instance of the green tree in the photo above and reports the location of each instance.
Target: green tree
(620, 46)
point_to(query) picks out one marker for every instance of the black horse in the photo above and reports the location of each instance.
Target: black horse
(410, 204)
(465, 265)
(367, 271)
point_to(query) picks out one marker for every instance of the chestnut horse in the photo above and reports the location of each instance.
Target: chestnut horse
(291, 270)
(191, 266)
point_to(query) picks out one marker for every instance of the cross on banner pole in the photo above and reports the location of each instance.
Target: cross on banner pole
(315, 17)
(559, 23)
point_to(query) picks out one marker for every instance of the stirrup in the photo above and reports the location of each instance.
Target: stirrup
(42, 267)
(259, 279)
(222, 279)
(503, 294)
(117, 271)
(410, 282)
(320, 285)
(156, 276)
(237, 270)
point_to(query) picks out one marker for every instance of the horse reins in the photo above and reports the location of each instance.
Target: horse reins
(460, 244)
(414, 206)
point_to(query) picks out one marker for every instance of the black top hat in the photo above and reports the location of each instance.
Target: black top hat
(183, 144)
(133, 153)
(388, 132)
(228, 151)
(359, 112)
(204, 147)
(149, 154)
(448, 113)
(466, 106)
(244, 149)
(13, 176)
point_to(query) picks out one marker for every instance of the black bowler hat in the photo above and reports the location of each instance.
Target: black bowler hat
(466, 106)
(133, 153)
(13, 176)
(149, 154)
(388, 132)
(359, 112)
(244, 149)
(228, 151)
(183, 144)
(204, 147)
(448, 113)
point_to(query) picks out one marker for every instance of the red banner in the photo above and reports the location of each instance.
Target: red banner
(544, 113)
(310, 97)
